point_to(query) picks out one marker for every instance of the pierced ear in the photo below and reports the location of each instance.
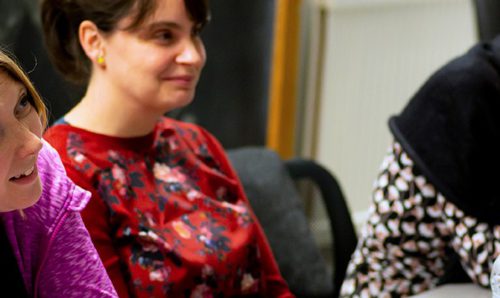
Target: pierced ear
(91, 41)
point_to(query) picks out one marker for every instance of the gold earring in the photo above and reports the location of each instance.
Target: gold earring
(100, 59)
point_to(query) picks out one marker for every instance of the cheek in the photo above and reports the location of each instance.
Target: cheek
(3, 186)
(203, 55)
(35, 124)
(157, 64)
(6, 157)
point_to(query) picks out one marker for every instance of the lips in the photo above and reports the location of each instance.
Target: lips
(181, 79)
(24, 176)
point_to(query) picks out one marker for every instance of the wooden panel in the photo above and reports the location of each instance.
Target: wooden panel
(283, 89)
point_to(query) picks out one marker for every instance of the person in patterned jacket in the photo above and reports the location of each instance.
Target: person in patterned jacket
(435, 206)
(168, 214)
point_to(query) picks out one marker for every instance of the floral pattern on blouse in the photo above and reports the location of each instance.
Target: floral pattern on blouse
(179, 223)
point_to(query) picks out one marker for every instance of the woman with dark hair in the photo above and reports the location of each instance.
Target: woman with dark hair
(45, 250)
(168, 214)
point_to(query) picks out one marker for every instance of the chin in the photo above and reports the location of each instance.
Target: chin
(19, 200)
(32, 197)
(185, 101)
(176, 99)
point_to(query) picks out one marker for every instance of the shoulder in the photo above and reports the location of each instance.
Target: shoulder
(57, 135)
(73, 148)
(59, 194)
(61, 137)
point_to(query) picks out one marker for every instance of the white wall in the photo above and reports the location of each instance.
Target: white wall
(378, 53)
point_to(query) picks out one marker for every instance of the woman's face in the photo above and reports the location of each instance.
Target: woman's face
(20, 133)
(157, 65)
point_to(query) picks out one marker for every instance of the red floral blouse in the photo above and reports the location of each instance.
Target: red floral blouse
(168, 214)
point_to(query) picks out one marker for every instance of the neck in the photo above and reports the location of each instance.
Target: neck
(105, 112)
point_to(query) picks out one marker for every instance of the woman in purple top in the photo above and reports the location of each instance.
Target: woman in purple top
(40, 226)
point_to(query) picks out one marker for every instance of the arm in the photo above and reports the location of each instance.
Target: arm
(95, 216)
(274, 285)
(72, 267)
(402, 248)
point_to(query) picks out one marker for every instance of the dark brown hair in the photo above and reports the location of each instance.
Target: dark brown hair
(9, 66)
(62, 18)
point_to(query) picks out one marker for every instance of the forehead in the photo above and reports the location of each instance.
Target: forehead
(169, 8)
(3, 76)
(8, 87)
(172, 11)
(7, 78)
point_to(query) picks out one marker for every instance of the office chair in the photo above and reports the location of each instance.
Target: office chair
(269, 184)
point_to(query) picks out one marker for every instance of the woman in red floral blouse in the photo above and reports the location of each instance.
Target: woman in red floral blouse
(168, 214)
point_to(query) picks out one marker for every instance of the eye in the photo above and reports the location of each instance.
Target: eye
(164, 36)
(23, 107)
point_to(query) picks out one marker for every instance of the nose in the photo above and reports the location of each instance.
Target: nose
(29, 143)
(192, 53)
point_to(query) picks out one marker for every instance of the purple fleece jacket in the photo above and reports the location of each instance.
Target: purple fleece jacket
(52, 246)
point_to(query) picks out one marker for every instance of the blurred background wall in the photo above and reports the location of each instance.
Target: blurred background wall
(20, 34)
(377, 54)
(232, 96)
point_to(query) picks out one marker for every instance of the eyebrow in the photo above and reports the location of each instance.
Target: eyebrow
(22, 90)
(160, 24)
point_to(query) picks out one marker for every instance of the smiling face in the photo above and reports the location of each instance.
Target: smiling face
(155, 68)
(20, 142)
